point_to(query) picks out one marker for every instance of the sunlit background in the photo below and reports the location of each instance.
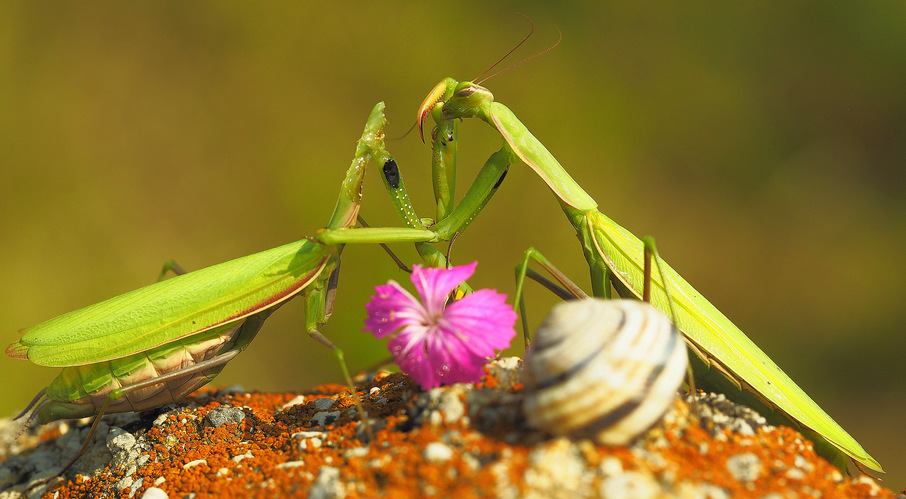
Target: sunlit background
(763, 146)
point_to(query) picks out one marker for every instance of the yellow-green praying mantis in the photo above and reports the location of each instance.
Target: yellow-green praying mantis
(159, 343)
(723, 358)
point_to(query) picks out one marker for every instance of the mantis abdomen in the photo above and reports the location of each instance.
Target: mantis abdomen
(176, 369)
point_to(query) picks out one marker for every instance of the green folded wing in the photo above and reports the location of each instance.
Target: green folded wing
(712, 332)
(162, 312)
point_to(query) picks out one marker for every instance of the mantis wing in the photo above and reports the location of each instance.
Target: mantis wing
(713, 333)
(162, 312)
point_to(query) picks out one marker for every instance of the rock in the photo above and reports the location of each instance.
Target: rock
(457, 440)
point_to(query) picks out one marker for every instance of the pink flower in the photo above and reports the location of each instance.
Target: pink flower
(439, 342)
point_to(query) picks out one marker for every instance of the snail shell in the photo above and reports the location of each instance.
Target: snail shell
(607, 370)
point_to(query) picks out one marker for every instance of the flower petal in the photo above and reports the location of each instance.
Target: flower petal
(437, 345)
(391, 308)
(485, 318)
(437, 361)
(434, 284)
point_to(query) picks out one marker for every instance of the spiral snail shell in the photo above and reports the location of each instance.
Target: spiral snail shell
(607, 370)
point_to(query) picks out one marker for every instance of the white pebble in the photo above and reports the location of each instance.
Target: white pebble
(744, 467)
(629, 485)
(196, 462)
(611, 466)
(299, 399)
(155, 493)
(437, 453)
(291, 464)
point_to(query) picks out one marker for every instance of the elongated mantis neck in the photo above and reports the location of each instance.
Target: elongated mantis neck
(538, 158)
(471, 100)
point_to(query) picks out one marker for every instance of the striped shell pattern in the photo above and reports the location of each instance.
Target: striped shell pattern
(607, 370)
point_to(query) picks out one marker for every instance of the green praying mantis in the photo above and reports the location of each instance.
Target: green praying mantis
(159, 343)
(117, 355)
(722, 357)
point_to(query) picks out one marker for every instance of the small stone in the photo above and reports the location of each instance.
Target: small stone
(556, 469)
(135, 486)
(240, 457)
(355, 452)
(309, 439)
(322, 404)
(124, 483)
(290, 464)
(327, 485)
(451, 406)
(119, 440)
(795, 474)
(163, 418)
(708, 491)
(471, 462)
(611, 466)
(196, 462)
(297, 400)
(629, 485)
(801, 462)
(308, 434)
(744, 467)
(437, 453)
(325, 418)
(742, 427)
(155, 493)
(507, 371)
(836, 476)
(121, 445)
(305, 443)
(224, 415)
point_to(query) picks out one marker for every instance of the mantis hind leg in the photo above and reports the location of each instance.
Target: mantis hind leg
(564, 287)
(567, 289)
(319, 301)
(170, 266)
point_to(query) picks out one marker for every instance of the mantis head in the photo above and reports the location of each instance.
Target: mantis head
(452, 99)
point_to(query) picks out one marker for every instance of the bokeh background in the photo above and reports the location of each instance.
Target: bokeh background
(763, 146)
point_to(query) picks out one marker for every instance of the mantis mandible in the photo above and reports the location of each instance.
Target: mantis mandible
(723, 358)
(159, 343)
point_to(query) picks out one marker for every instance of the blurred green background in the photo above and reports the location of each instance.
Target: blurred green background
(763, 146)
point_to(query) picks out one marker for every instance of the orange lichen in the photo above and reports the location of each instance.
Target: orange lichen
(486, 451)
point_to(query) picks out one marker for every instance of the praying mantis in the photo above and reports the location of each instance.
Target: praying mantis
(722, 357)
(159, 343)
(186, 309)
